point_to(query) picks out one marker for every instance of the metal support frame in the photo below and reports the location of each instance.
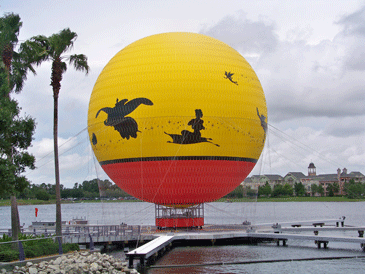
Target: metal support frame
(195, 211)
(174, 217)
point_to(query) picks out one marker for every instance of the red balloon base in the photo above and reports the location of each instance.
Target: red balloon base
(178, 182)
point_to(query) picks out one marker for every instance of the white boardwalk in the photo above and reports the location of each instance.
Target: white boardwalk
(147, 250)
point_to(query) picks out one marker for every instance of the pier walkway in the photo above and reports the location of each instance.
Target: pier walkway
(234, 234)
(159, 241)
(149, 249)
(316, 230)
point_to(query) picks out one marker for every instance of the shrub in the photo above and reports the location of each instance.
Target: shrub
(8, 255)
(34, 248)
(67, 247)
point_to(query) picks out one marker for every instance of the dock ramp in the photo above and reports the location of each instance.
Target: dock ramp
(147, 250)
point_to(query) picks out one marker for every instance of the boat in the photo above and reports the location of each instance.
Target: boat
(51, 225)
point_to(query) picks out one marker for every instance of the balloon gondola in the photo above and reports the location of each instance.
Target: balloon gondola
(177, 119)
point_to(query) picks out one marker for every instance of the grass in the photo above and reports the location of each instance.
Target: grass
(6, 202)
(295, 199)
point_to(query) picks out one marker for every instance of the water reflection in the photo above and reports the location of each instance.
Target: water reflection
(244, 253)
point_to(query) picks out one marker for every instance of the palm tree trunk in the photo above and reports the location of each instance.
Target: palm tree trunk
(15, 225)
(57, 170)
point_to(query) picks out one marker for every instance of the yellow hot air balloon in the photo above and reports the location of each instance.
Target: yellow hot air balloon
(177, 119)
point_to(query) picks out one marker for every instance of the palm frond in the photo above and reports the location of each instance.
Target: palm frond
(10, 25)
(19, 71)
(79, 61)
(36, 49)
(62, 41)
(63, 67)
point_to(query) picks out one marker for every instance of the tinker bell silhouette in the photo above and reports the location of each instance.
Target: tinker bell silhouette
(188, 137)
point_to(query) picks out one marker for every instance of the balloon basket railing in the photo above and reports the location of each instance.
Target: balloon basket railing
(179, 217)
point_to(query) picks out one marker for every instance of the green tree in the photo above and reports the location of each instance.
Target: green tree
(354, 189)
(15, 137)
(42, 194)
(314, 189)
(265, 190)
(91, 186)
(320, 190)
(15, 66)
(52, 49)
(250, 192)
(236, 193)
(277, 190)
(288, 190)
(333, 189)
(299, 189)
(331, 193)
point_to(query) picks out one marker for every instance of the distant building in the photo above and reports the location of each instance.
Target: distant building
(255, 181)
(312, 170)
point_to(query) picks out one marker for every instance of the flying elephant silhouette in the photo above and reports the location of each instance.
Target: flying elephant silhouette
(126, 126)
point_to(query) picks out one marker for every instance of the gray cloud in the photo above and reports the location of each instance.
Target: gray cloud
(244, 35)
(353, 24)
(346, 127)
(301, 80)
(353, 32)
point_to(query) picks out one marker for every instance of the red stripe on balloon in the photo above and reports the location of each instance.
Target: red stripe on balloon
(179, 182)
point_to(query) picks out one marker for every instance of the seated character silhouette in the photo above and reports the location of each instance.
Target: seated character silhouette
(188, 137)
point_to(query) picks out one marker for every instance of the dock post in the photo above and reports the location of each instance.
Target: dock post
(318, 243)
(91, 244)
(130, 261)
(284, 242)
(361, 233)
(60, 251)
(142, 262)
(363, 247)
(21, 252)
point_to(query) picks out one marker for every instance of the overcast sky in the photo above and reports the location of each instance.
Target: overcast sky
(308, 55)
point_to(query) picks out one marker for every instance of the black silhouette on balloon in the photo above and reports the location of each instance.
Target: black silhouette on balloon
(228, 75)
(94, 140)
(263, 121)
(126, 126)
(188, 137)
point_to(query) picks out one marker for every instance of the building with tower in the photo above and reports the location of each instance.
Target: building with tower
(323, 181)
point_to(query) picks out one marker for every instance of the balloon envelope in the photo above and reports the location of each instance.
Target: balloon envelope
(177, 119)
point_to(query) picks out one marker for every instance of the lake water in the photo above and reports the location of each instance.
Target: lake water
(229, 213)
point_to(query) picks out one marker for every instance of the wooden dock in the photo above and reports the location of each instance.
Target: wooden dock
(250, 234)
(144, 252)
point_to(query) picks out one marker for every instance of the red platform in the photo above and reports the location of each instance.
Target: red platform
(179, 222)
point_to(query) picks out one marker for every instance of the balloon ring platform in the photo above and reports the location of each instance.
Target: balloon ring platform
(179, 217)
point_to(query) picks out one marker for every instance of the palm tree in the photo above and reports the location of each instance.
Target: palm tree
(10, 26)
(52, 49)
